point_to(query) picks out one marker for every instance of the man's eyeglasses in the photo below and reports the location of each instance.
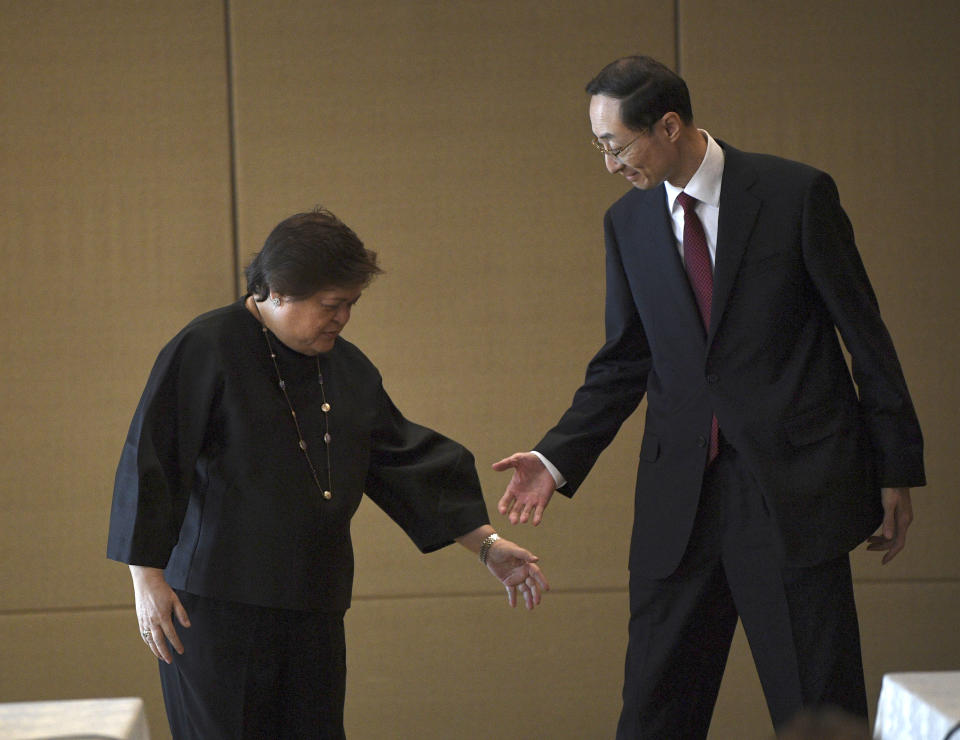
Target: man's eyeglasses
(615, 153)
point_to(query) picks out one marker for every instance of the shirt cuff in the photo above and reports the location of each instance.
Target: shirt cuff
(551, 468)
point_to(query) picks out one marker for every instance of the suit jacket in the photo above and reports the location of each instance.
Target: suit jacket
(787, 277)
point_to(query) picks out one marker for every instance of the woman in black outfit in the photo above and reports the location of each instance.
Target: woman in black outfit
(258, 433)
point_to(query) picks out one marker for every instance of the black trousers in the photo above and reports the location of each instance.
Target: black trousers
(256, 673)
(801, 623)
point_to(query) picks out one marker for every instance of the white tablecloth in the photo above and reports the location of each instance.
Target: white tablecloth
(919, 706)
(122, 719)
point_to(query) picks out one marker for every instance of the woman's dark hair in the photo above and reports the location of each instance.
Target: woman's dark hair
(308, 252)
(646, 89)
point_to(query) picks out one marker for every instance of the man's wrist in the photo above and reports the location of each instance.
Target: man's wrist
(558, 478)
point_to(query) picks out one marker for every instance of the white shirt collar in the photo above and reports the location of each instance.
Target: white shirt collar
(705, 183)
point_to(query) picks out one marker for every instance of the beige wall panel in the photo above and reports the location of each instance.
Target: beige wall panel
(907, 627)
(863, 90)
(80, 655)
(116, 229)
(453, 137)
(471, 667)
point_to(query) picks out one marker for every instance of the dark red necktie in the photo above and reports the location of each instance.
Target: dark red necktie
(696, 259)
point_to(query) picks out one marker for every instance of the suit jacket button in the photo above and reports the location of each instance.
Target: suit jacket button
(701, 441)
(711, 378)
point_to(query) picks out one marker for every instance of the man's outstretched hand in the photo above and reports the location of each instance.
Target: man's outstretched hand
(529, 490)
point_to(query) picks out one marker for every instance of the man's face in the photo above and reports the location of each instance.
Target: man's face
(645, 159)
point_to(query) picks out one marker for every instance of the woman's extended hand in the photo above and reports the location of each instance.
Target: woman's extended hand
(517, 569)
(156, 605)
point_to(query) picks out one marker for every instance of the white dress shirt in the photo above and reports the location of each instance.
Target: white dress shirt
(705, 187)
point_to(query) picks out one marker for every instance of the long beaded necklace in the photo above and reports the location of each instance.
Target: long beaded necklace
(325, 407)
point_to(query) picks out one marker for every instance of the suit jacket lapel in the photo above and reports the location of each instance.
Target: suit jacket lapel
(738, 214)
(654, 232)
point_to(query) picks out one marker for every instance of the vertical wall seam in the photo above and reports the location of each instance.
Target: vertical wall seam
(677, 40)
(232, 142)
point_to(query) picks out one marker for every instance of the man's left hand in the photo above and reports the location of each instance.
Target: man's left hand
(897, 515)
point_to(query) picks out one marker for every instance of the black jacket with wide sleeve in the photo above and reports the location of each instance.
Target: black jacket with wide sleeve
(213, 487)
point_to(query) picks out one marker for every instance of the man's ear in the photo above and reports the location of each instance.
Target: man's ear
(672, 125)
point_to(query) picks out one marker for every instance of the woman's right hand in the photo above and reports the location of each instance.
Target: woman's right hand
(156, 605)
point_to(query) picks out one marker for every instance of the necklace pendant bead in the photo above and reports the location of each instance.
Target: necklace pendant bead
(303, 445)
(325, 408)
(327, 438)
(283, 386)
(327, 495)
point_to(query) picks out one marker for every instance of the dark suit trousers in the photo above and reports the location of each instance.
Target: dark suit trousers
(253, 673)
(801, 623)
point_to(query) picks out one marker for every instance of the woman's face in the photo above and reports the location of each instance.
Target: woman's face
(310, 325)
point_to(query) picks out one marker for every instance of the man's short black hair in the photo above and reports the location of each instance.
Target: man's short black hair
(647, 91)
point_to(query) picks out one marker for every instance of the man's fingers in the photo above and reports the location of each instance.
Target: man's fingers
(899, 544)
(507, 462)
(892, 546)
(889, 525)
(525, 513)
(891, 553)
(537, 514)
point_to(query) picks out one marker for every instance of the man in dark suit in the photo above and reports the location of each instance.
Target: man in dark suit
(763, 460)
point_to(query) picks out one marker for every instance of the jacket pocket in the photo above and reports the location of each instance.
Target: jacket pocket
(816, 424)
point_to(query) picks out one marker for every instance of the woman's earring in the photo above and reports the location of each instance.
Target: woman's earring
(276, 302)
